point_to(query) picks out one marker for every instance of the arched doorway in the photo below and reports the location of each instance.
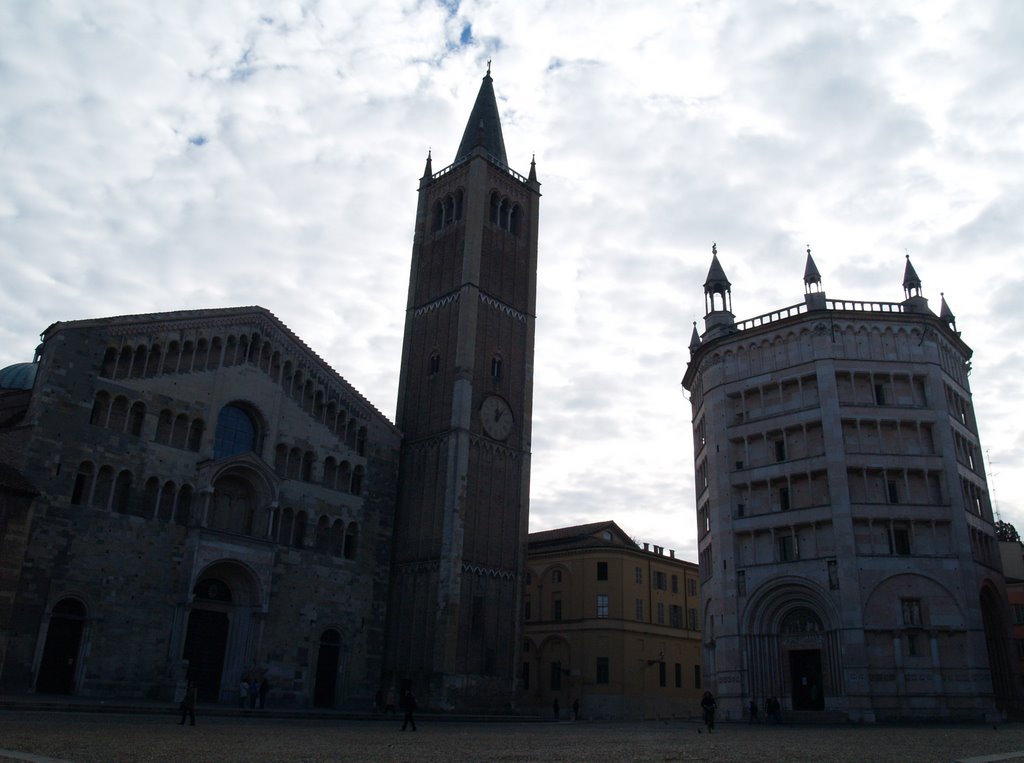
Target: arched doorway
(324, 690)
(800, 637)
(59, 664)
(207, 636)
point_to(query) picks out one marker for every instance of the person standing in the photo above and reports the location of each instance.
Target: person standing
(409, 706)
(243, 692)
(188, 705)
(556, 709)
(576, 709)
(708, 705)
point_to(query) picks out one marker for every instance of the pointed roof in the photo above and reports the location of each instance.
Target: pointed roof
(811, 274)
(694, 339)
(945, 313)
(428, 170)
(910, 277)
(484, 125)
(716, 280)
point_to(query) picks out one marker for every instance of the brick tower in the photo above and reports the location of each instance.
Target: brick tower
(465, 402)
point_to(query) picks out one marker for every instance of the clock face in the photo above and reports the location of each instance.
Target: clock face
(496, 418)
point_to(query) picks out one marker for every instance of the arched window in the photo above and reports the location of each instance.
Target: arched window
(201, 356)
(351, 540)
(337, 537)
(281, 460)
(449, 210)
(357, 481)
(187, 351)
(173, 355)
(495, 208)
(83, 484)
(165, 513)
(308, 459)
(118, 414)
(183, 507)
(216, 349)
(104, 484)
(136, 418)
(435, 363)
(236, 432)
(234, 505)
(330, 473)
(153, 362)
(299, 539)
(100, 409)
(361, 441)
(350, 433)
(122, 492)
(150, 497)
(195, 435)
(139, 362)
(124, 363)
(438, 222)
(458, 205)
(179, 436)
(163, 427)
(496, 368)
(323, 534)
(284, 530)
(294, 464)
(344, 475)
(307, 396)
(504, 213)
(109, 366)
(513, 220)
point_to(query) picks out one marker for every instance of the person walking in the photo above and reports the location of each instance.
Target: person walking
(409, 706)
(188, 705)
(708, 705)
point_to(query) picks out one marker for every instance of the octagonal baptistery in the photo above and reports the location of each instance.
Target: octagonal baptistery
(848, 560)
(210, 501)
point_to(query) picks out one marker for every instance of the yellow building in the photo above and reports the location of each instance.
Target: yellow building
(610, 624)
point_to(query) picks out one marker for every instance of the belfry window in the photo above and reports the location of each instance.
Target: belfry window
(496, 368)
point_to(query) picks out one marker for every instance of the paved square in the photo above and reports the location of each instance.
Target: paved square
(84, 737)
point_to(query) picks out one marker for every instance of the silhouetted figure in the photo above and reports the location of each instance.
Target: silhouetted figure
(753, 711)
(389, 703)
(708, 705)
(555, 709)
(773, 708)
(409, 706)
(188, 705)
(576, 709)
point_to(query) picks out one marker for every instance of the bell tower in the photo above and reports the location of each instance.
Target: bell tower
(465, 403)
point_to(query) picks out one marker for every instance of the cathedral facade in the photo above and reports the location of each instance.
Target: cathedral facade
(848, 559)
(197, 495)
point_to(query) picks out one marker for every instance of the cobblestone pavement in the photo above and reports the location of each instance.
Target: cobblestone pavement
(82, 737)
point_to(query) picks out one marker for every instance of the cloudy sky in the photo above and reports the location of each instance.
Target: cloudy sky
(163, 156)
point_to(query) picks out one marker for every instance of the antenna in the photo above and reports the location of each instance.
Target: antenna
(992, 484)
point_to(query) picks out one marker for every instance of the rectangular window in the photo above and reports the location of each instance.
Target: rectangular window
(833, 575)
(679, 676)
(1018, 613)
(659, 581)
(524, 675)
(900, 542)
(602, 605)
(662, 677)
(879, 394)
(741, 509)
(691, 586)
(601, 674)
(602, 570)
(780, 450)
(639, 575)
(696, 676)
(640, 609)
(691, 618)
(893, 491)
(661, 613)
(788, 550)
(556, 609)
(741, 583)
(675, 616)
(675, 584)
(911, 611)
(912, 644)
(783, 499)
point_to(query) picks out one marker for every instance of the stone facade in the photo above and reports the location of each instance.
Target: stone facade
(214, 501)
(609, 624)
(847, 551)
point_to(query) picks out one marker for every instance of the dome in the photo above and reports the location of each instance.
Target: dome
(18, 376)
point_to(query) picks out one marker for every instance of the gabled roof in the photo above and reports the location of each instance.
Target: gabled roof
(484, 125)
(589, 535)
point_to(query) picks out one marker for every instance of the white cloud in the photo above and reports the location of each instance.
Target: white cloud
(193, 154)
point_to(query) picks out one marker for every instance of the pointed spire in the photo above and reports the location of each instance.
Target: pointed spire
(428, 171)
(946, 314)
(484, 126)
(533, 169)
(811, 274)
(911, 281)
(694, 339)
(716, 281)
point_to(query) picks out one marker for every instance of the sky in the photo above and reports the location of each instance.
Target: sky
(195, 154)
